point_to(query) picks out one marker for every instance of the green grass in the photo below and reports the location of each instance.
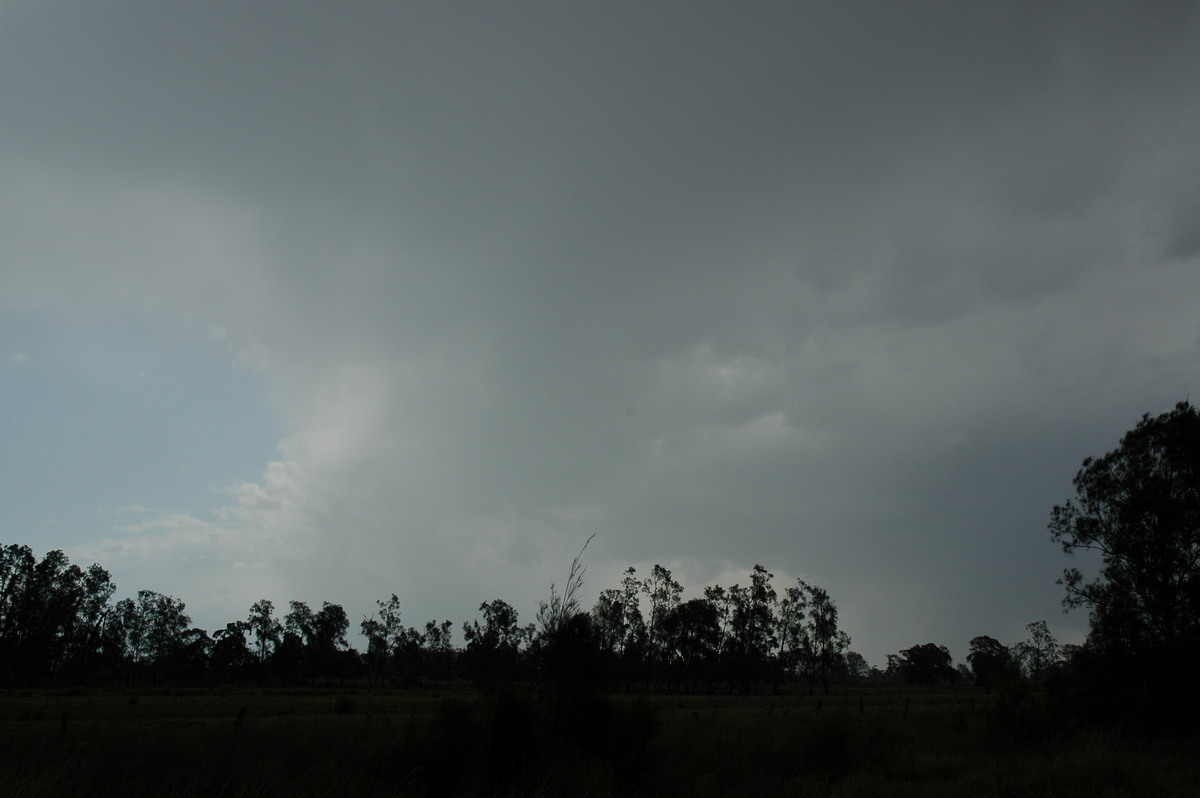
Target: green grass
(860, 741)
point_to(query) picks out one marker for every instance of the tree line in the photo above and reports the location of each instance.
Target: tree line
(1137, 508)
(59, 625)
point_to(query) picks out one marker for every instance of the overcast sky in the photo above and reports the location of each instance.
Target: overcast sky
(316, 301)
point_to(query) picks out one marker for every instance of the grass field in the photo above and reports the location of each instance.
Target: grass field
(859, 741)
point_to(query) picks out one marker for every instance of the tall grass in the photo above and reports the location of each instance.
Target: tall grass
(460, 742)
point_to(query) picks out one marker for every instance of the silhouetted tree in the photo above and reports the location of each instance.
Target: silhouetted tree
(990, 660)
(811, 642)
(1038, 654)
(829, 643)
(52, 616)
(152, 629)
(384, 636)
(856, 666)
(620, 628)
(327, 640)
(752, 638)
(925, 664)
(1138, 508)
(692, 633)
(608, 620)
(192, 660)
(267, 631)
(493, 647)
(439, 645)
(231, 654)
(665, 594)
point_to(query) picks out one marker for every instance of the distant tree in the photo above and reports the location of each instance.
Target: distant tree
(267, 631)
(752, 628)
(665, 594)
(86, 643)
(635, 647)
(231, 654)
(856, 666)
(312, 642)
(990, 660)
(608, 620)
(493, 647)
(692, 633)
(719, 598)
(1038, 654)
(829, 643)
(152, 628)
(439, 645)
(811, 643)
(193, 656)
(385, 634)
(328, 640)
(620, 627)
(925, 664)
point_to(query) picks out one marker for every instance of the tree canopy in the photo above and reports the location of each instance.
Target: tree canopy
(1139, 507)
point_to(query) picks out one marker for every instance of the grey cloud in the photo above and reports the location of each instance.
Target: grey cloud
(868, 276)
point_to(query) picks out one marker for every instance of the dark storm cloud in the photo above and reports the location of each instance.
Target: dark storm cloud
(846, 288)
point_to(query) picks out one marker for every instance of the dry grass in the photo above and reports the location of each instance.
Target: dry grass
(455, 741)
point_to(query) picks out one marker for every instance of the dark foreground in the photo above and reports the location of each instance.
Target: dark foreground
(861, 741)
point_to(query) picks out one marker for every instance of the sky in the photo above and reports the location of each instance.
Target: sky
(324, 302)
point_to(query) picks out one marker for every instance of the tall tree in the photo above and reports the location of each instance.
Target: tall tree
(752, 628)
(231, 654)
(1138, 507)
(665, 594)
(829, 643)
(809, 638)
(266, 629)
(328, 640)
(152, 629)
(385, 633)
(1039, 653)
(52, 616)
(693, 634)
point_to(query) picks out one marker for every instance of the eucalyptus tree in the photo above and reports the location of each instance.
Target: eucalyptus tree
(152, 628)
(494, 646)
(665, 594)
(267, 631)
(1137, 511)
(52, 616)
(230, 652)
(829, 643)
(384, 631)
(1038, 654)
(753, 638)
(620, 626)
(439, 648)
(1138, 508)
(693, 635)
